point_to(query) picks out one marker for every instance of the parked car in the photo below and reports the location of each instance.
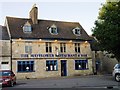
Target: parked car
(116, 72)
(7, 77)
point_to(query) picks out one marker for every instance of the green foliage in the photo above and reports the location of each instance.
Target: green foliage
(107, 28)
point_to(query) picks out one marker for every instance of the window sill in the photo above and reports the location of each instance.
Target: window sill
(51, 70)
(25, 71)
(82, 69)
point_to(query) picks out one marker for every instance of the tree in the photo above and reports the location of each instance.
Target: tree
(107, 28)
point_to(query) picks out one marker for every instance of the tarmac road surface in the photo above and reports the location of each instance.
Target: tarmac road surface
(92, 82)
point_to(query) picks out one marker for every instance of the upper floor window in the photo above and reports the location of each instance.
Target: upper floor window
(48, 47)
(27, 28)
(62, 47)
(77, 31)
(77, 47)
(53, 30)
(28, 49)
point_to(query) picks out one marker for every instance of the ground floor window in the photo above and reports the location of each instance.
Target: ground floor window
(51, 65)
(81, 64)
(25, 66)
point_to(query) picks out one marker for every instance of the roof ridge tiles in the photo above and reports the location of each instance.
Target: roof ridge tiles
(41, 19)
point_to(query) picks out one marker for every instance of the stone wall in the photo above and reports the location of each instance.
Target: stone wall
(5, 54)
(39, 47)
(5, 48)
(106, 63)
(40, 70)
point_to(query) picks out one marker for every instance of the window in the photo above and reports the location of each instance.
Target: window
(28, 49)
(53, 30)
(27, 28)
(77, 47)
(81, 64)
(25, 66)
(76, 31)
(51, 65)
(62, 47)
(48, 47)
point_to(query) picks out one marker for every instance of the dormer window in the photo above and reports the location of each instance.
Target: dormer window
(27, 28)
(77, 31)
(53, 30)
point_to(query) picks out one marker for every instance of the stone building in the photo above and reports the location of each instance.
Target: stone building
(5, 50)
(47, 48)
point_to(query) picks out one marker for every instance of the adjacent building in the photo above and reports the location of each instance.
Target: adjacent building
(5, 50)
(46, 48)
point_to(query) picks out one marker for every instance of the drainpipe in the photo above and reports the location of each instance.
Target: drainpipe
(11, 52)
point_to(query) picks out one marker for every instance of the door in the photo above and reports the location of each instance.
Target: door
(63, 68)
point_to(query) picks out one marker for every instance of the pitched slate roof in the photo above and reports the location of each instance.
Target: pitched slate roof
(3, 33)
(40, 30)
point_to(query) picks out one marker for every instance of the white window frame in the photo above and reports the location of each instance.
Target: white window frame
(62, 47)
(51, 65)
(28, 49)
(77, 31)
(53, 30)
(48, 47)
(77, 47)
(27, 28)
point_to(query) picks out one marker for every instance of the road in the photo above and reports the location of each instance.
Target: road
(71, 83)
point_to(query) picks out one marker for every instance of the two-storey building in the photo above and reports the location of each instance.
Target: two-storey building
(47, 48)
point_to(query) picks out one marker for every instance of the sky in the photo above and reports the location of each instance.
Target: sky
(83, 11)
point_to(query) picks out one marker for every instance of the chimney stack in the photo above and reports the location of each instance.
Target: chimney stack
(33, 14)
